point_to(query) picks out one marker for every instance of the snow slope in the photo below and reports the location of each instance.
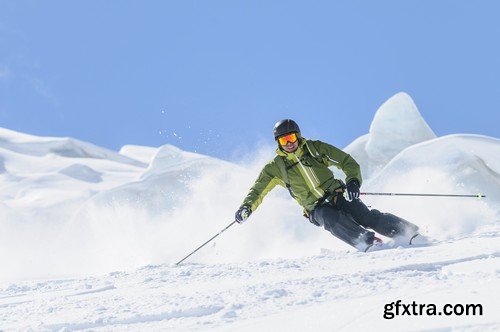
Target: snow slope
(88, 235)
(330, 291)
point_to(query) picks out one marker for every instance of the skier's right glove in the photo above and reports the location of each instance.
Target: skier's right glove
(242, 214)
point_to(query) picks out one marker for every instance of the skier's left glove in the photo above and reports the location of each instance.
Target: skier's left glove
(352, 190)
(242, 214)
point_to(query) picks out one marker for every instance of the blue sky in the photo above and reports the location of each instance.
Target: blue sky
(214, 76)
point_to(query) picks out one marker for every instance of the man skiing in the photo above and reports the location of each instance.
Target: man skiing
(301, 166)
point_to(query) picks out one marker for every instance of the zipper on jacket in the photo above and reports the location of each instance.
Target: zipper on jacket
(315, 176)
(309, 177)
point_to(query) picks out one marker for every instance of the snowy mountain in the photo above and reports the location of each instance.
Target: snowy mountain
(88, 235)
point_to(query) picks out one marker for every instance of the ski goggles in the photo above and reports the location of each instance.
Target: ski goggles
(292, 138)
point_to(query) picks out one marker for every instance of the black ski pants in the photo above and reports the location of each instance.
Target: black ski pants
(350, 221)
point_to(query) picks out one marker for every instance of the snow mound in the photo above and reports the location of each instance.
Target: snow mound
(142, 153)
(63, 147)
(166, 183)
(38, 170)
(169, 157)
(82, 173)
(45, 181)
(454, 164)
(397, 125)
(471, 161)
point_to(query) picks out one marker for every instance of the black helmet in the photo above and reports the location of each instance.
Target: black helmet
(284, 127)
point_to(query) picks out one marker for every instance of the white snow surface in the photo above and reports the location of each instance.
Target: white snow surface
(89, 238)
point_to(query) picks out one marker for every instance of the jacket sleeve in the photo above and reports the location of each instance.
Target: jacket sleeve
(333, 156)
(262, 186)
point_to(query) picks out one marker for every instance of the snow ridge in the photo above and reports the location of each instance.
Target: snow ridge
(397, 125)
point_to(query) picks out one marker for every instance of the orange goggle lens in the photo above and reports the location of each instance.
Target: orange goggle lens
(292, 138)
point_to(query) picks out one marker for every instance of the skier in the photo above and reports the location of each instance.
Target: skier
(301, 166)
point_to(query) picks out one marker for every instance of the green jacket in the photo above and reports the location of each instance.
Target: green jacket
(307, 174)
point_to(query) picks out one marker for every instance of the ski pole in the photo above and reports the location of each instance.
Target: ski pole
(213, 237)
(426, 195)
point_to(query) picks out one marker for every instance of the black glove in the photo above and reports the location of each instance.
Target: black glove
(242, 214)
(352, 189)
